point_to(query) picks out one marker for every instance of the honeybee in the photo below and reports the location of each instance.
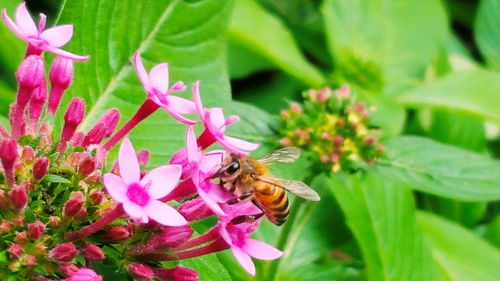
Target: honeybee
(251, 178)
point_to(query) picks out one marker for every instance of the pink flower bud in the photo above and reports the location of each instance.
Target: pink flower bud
(30, 73)
(93, 253)
(54, 222)
(28, 155)
(68, 269)
(177, 273)
(4, 199)
(30, 260)
(73, 205)
(18, 221)
(81, 215)
(171, 237)
(312, 94)
(109, 120)
(72, 118)
(8, 154)
(335, 158)
(61, 74)
(96, 196)
(85, 274)
(285, 142)
(140, 271)
(338, 140)
(21, 238)
(40, 167)
(343, 92)
(17, 121)
(38, 98)
(369, 141)
(117, 233)
(19, 197)
(86, 165)
(39, 249)
(143, 157)
(324, 158)
(296, 108)
(324, 94)
(4, 226)
(64, 252)
(77, 139)
(35, 230)
(15, 251)
(194, 209)
(95, 135)
(285, 114)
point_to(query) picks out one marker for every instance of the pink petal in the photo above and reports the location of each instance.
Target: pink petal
(159, 77)
(13, 26)
(244, 259)
(178, 117)
(240, 144)
(164, 214)
(115, 187)
(211, 162)
(162, 180)
(193, 152)
(128, 163)
(65, 54)
(217, 120)
(181, 105)
(197, 101)
(261, 250)
(41, 22)
(141, 71)
(135, 211)
(24, 21)
(211, 203)
(217, 193)
(58, 36)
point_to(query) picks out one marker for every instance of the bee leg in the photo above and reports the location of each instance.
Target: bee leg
(233, 188)
(247, 218)
(239, 199)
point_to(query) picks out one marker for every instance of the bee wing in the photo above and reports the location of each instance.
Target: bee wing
(282, 155)
(296, 187)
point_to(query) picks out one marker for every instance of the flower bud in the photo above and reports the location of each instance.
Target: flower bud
(73, 205)
(61, 74)
(96, 196)
(117, 233)
(296, 108)
(86, 165)
(72, 118)
(39, 249)
(30, 73)
(19, 197)
(171, 237)
(4, 199)
(40, 168)
(38, 98)
(28, 155)
(68, 269)
(54, 222)
(8, 154)
(64, 252)
(85, 274)
(95, 135)
(29, 260)
(143, 157)
(343, 92)
(21, 238)
(285, 142)
(18, 221)
(4, 226)
(35, 230)
(195, 209)
(15, 251)
(77, 139)
(177, 273)
(81, 215)
(93, 253)
(140, 271)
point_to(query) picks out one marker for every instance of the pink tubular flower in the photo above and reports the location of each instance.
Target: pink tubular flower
(84, 274)
(215, 127)
(237, 237)
(156, 85)
(39, 40)
(140, 196)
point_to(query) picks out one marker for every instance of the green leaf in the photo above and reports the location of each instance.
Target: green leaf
(487, 31)
(474, 92)
(209, 268)
(460, 253)
(266, 35)
(440, 169)
(384, 45)
(242, 61)
(188, 35)
(51, 178)
(382, 217)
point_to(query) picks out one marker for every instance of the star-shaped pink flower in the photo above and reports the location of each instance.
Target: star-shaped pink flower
(140, 196)
(49, 40)
(215, 127)
(156, 85)
(237, 237)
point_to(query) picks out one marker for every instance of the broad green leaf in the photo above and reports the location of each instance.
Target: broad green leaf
(189, 35)
(383, 45)
(382, 217)
(266, 35)
(487, 31)
(209, 267)
(440, 169)
(474, 92)
(460, 253)
(242, 62)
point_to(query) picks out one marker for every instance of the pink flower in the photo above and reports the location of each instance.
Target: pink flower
(215, 127)
(237, 237)
(140, 196)
(84, 274)
(156, 85)
(41, 40)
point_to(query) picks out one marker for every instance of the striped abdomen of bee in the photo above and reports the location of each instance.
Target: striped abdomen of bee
(273, 200)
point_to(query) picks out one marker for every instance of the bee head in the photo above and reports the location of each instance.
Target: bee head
(230, 168)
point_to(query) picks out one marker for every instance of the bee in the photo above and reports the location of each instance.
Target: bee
(251, 178)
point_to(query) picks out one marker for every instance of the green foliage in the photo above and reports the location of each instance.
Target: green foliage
(487, 31)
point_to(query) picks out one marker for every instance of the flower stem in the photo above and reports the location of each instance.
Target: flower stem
(146, 109)
(216, 246)
(208, 236)
(96, 226)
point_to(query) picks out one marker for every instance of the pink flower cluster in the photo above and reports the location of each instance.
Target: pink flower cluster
(144, 215)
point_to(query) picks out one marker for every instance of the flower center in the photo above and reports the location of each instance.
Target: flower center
(238, 236)
(137, 194)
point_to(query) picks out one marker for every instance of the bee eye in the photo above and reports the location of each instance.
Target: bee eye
(233, 168)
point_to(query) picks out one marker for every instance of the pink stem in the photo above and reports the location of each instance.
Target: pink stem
(216, 246)
(96, 226)
(146, 109)
(32, 50)
(205, 139)
(208, 236)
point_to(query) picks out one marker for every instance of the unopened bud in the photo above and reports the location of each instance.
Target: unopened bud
(77, 139)
(343, 92)
(4, 226)
(39, 249)
(95, 135)
(21, 238)
(110, 120)
(29, 260)
(96, 196)
(81, 215)
(4, 199)
(85, 274)
(86, 166)
(285, 142)
(8, 154)
(73, 205)
(68, 269)
(93, 253)
(18, 221)
(28, 155)
(143, 157)
(171, 237)
(38, 98)
(117, 233)
(40, 167)
(35, 230)
(296, 108)
(140, 271)
(64, 252)
(285, 114)
(194, 209)
(30, 73)
(324, 95)
(177, 273)
(19, 197)
(72, 118)
(54, 222)
(15, 251)
(61, 74)
(324, 158)
(312, 94)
